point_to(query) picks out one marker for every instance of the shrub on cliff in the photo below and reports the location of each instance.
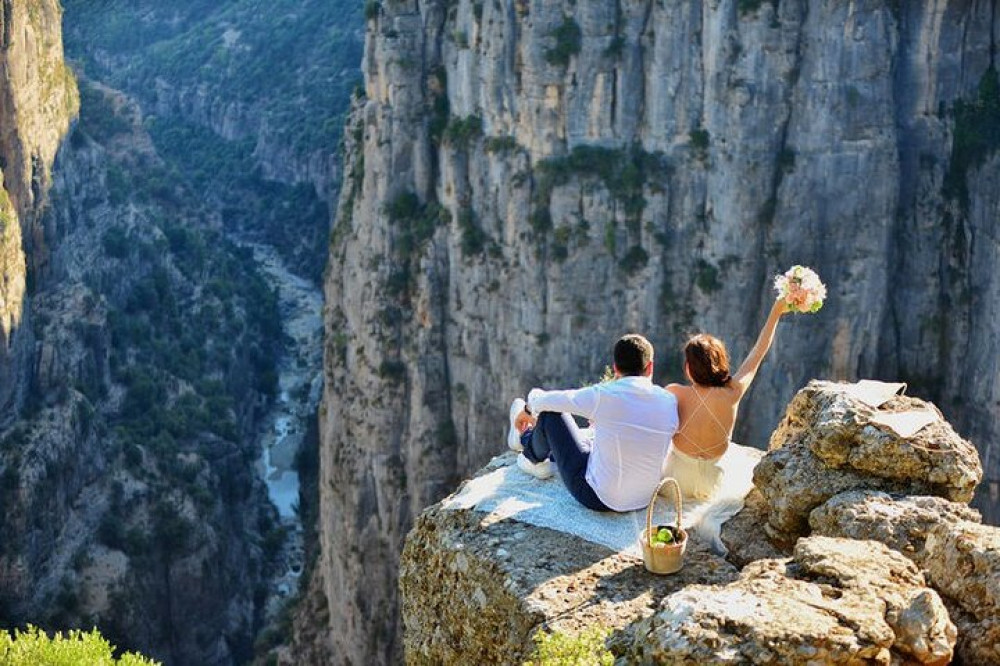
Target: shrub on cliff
(33, 647)
(584, 649)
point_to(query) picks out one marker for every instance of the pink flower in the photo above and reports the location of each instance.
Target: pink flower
(801, 289)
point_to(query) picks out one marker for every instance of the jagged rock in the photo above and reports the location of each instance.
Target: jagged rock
(963, 561)
(836, 601)
(744, 535)
(828, 443)
(475, 589)
(902, 523)
(961, 558)
(978, 640)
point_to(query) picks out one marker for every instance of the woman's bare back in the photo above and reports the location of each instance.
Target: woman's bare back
(707, 416)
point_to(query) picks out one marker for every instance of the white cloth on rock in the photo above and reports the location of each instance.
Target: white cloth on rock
(508, 493)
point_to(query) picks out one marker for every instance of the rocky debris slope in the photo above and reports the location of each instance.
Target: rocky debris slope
(831, 441)
(899, 578)
(527, 180)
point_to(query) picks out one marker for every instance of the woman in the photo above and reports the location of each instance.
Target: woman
(708, 407)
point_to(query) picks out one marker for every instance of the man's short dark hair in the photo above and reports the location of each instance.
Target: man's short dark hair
(632, 354)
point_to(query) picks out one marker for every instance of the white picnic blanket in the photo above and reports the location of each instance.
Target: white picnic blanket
(507, 492)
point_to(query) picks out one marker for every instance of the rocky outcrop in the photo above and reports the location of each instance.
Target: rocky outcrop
(476, 589)
(841, 442)
(835, 601)
(831, 441)
(958, 556)
(882, 579)
(904, 523)
(479, 587)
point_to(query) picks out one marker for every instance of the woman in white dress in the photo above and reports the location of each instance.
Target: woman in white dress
(708, 407)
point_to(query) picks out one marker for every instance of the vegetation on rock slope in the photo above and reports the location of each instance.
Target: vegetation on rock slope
(249, 105)
(177, 336)
(33, 647)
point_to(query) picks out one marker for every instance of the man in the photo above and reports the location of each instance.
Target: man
(633, 423)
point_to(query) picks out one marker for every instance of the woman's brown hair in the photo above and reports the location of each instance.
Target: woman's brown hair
(707, 360)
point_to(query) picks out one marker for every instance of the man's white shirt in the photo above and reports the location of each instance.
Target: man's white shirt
(634, 422)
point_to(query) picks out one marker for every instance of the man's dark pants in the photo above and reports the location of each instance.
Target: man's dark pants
(557, 436)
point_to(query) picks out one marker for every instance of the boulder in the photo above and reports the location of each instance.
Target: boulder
(901, 522)
(836, 601)
(963, 562)
(960, 557)
(744, 535)
(831, 441)
(978, 640)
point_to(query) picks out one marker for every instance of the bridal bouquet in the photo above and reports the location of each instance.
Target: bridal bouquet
(801, 289)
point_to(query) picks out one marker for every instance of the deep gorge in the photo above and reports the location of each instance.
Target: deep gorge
(152, 340)
(503, 188)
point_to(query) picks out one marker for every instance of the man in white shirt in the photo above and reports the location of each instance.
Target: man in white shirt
(633, 421)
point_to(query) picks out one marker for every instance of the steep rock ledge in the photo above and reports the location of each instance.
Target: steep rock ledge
(476, 586)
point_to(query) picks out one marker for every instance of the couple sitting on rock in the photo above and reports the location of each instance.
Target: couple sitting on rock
(640, 432)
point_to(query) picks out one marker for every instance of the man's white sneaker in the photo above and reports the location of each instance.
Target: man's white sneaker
(513, 436)
(542, 470)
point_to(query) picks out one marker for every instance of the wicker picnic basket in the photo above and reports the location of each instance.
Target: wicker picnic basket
(664, 558)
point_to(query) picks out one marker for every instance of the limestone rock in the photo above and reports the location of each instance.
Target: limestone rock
(902, 523)
(961, 558)
(978, 640)
(835, 601)
(744, 534)
(829, 442)
(963, 561)
(474, 589)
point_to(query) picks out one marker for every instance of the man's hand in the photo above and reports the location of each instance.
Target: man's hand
(523, 421)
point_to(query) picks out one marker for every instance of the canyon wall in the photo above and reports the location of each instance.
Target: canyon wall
(140, 359)
(273, 85)
(526, 180)
(38, 100)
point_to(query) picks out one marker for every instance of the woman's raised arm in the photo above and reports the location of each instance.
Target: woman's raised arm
(744, 376)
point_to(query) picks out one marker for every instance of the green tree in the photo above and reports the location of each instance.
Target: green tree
(33, 647)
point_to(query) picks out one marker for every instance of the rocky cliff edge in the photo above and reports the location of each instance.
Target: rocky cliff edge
(871, 564)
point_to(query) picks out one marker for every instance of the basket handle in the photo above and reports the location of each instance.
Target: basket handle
(652, 501)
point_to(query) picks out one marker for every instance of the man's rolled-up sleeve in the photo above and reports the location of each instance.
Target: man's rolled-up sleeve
(582, 402)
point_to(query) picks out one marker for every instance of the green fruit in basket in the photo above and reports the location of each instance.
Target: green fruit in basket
(664, 536)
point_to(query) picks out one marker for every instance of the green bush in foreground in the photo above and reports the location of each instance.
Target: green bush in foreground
(584, 649)
(33, 647)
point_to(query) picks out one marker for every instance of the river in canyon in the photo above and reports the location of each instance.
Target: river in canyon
(300, 382)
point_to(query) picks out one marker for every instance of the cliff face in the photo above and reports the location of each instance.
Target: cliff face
(38, 99)
(525, 181)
